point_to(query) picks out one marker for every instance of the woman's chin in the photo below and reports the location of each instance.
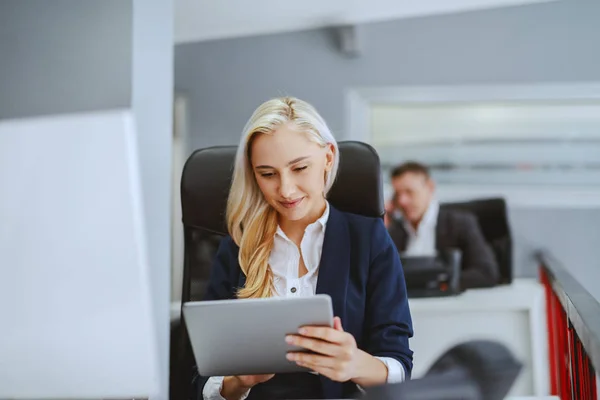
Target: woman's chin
(295, 213)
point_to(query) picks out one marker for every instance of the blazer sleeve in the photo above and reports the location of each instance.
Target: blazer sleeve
(224, 272)
(388, 324)
(479, 267)
(224, 275)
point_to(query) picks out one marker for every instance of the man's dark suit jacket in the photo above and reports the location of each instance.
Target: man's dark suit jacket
(360, 269)
(460, 230)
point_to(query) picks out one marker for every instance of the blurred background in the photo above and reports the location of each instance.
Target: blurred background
(491, 94)
(499, 98)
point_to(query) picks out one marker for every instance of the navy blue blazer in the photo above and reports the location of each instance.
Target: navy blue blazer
(360, 269)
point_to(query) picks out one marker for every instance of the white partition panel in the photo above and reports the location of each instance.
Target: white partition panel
(75, 310)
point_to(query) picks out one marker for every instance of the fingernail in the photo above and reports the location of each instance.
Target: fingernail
(289, 339)
(302, 331)
(290, 356)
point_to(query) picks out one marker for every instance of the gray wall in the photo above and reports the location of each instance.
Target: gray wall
(153, 108)
(68, 56)
(572, 236)
(554, 42)
(225, 80)
(52, 61)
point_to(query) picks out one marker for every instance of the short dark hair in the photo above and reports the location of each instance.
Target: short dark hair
(410, 166)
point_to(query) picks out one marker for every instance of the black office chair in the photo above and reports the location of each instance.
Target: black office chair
(492, 216)
(474, 370)
(205, 186)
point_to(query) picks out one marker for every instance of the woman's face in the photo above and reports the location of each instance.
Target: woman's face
(290, 170)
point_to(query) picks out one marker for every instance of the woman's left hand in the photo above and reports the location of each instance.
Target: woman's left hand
(338, 356)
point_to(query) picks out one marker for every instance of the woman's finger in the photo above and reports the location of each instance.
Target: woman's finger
(324, 333)
(315, 360)
(337, 324)
(333, 374)
(316, 345)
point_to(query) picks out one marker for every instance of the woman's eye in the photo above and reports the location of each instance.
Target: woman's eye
(267, 174)
(299, 169)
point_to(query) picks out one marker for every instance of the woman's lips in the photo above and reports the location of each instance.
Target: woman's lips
(291, 204)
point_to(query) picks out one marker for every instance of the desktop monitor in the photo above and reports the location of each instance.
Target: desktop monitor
(76, 317)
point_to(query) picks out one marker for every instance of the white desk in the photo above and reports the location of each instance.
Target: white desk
(513, 315)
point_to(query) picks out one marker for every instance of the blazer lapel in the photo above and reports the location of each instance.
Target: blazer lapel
(334, 270)
(335, 262)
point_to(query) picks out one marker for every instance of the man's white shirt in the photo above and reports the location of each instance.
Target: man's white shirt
(421, 241)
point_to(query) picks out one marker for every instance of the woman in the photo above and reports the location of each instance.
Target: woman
(286, 240)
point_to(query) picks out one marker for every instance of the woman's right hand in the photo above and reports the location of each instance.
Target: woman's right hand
(234, 387)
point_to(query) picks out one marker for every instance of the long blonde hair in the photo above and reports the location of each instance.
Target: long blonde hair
(251, 221)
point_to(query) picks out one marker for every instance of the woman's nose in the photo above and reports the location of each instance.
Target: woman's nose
(287, 187)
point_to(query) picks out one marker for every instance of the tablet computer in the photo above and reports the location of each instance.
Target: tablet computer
(247, 336)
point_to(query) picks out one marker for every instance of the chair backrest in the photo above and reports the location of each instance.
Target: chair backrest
(492, 216)
(205, 184)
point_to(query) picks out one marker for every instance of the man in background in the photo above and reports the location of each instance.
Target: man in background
(419, 227)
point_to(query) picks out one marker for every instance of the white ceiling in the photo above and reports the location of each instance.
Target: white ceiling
(198, 20)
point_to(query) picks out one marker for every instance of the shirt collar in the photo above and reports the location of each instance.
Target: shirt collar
(323, 219)
(429, 217)
(431, 214)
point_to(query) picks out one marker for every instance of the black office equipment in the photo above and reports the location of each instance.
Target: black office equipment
(476, 370)
(492, 215)
(433, 276)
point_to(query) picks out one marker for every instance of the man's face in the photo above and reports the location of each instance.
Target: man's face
(414, 191)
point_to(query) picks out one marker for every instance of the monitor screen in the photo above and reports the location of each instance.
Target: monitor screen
(75, 305)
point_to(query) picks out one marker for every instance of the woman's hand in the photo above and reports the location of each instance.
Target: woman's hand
(234, 387)
(337, 358)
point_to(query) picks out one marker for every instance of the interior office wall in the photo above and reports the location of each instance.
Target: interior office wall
(64, 56)
(153, 108)
(227, 79)
(553, 42)
(572, 236)
(73, 56)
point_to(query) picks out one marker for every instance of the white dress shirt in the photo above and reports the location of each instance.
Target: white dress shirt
(421, 242)
(284, 261)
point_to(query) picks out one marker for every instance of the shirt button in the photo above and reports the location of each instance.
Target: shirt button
(293, 290)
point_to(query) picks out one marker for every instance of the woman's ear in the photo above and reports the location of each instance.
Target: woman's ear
(329, 157)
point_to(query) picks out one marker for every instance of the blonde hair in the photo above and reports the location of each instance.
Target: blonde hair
(251, 221)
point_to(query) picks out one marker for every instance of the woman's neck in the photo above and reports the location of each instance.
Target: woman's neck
(294, 230)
